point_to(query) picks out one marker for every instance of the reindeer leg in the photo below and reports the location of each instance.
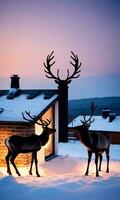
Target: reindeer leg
(14, 155)
(101, 157)
(7, 161)
(30, 171)
(96, 162)
(89, 160)
(108, 158)
(36, 163)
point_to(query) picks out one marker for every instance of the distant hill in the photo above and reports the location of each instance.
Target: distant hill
(80, 106)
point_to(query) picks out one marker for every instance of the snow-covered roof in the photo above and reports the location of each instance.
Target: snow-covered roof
(14, 103)
(99, 124)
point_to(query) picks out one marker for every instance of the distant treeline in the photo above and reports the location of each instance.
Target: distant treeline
(82, 106)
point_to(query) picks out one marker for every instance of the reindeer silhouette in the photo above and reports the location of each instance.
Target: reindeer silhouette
(94, 141)
(63, 90)
(17, 144)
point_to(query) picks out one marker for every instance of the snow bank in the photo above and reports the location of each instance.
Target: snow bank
(63, 178)
(77, 149)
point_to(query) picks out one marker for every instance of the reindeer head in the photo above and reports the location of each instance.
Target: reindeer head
(57, 78)
(87, 122)
(41, 122)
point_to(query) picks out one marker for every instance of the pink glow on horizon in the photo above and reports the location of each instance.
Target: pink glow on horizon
(32, 29)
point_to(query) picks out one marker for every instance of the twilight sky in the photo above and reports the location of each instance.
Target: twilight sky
(30, 29)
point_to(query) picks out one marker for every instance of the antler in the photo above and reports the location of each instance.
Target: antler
(76, 65)
(46, 123)
(49, 73)
(48, 66)
(90, 120)
(33, 118)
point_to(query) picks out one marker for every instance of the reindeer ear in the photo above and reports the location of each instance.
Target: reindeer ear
(69, 81)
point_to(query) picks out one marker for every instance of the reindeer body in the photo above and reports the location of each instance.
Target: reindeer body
(17, 144)
(24, 144)
(27, 144)
(100, 141)
(94, 141)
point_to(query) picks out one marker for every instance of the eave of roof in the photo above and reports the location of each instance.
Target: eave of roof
(40, 102)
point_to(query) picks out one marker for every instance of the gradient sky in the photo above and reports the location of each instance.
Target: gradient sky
(30, 29)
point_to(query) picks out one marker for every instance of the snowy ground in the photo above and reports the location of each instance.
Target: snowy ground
(63, 178)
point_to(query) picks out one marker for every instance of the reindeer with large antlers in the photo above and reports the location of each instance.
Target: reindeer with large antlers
(17, 144)
(63, 90)
(94, 141)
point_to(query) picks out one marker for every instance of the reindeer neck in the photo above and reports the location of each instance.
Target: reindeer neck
(44, 137)
(84, 135)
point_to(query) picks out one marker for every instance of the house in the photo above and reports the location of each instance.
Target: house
(40, 103)
(107, 123)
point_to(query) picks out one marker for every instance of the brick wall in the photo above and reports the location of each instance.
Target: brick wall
(22, 160)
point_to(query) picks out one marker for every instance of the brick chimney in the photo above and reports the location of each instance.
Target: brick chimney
(105, 113)
(15, 81)
(112, 116)
(14, 89)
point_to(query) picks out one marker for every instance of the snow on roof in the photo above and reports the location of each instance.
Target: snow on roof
(35, 101)
(99, 124)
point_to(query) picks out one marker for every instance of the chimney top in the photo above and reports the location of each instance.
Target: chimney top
(15, 81)
(112, 116)
(14, 75)
(105, 113)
